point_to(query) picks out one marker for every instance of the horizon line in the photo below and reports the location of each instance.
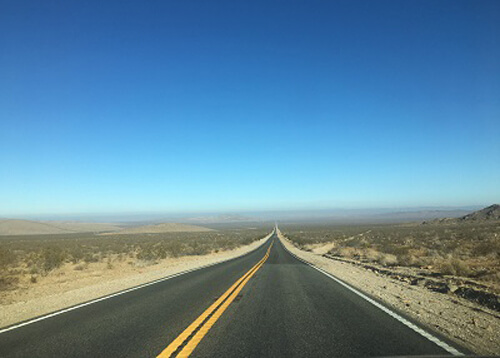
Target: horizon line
(187, 213)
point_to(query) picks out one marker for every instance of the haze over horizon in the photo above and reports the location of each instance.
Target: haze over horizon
(369, 215)
(113, 107)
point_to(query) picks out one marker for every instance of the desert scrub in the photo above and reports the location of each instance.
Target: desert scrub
(466, 250)
(7, 257)
(8, 278)
(42, 254)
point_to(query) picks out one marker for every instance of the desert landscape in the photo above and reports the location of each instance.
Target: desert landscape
(463, 250)
(428, 269)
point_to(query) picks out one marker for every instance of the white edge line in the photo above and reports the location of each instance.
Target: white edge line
(391, 313)
(72, 308)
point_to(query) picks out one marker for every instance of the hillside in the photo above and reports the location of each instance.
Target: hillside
(27, 227)
(488, 214)
(163, 227)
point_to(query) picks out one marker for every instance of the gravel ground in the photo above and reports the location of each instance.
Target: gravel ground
(464, 322)
(68, 287)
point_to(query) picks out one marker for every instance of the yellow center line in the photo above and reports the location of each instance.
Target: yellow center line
(207, 319)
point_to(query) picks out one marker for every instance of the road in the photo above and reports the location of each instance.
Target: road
(281, 308)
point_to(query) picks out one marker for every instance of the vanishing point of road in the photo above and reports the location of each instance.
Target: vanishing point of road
(266, 303)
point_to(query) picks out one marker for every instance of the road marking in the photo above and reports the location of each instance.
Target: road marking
(69, 309)
(391, 313)
(187, 341)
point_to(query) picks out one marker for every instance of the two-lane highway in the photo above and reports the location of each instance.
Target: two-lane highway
(263, 304)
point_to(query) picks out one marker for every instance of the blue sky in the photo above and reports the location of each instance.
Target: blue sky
(130, 106)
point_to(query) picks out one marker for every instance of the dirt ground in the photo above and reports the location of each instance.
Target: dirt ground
(73, 284)
(470, 325)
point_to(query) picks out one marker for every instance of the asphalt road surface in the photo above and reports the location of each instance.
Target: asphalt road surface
(264, 306)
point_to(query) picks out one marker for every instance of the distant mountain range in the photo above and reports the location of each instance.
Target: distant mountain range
(420, 215)
(27, 227)
(196, 224)
(161, 228)
(212, 219)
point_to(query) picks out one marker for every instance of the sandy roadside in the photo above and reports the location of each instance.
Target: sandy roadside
(68, 287)
(466, 323)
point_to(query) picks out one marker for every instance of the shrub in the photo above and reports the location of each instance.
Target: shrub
(388, 260)
(7, 282)
(7, 258)
(90, 257)
(146, 254)
(455, 267)
(52, 258)
(372, 255)
(80, 267)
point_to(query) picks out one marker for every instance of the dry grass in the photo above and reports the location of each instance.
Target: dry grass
(465, 250)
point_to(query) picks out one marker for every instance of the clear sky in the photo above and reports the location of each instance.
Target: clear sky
(130, 106)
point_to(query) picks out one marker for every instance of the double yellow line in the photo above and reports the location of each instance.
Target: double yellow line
(187, 341)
